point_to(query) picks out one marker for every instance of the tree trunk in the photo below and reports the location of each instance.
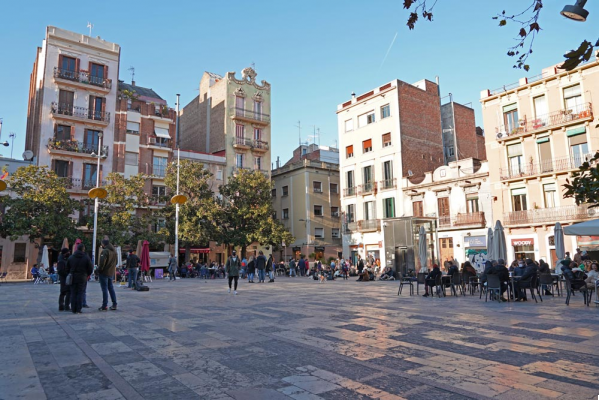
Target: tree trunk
(243, 251)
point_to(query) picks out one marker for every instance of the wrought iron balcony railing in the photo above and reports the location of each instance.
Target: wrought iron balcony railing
(82, 77)
(350, 191)
(544, 167)
(250, 114)
(76, 147)
(462, 220)
(549, 215)
(71, 183)
(388, 184)
(79, 112)
(367, 188)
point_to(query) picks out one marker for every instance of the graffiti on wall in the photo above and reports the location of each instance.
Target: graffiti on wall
(477, 258)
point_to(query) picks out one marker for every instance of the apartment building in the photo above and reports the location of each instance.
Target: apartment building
(539, 130)
(306, 198)
(230, 117)
(72, 98)
(461, 138)
(459, 196)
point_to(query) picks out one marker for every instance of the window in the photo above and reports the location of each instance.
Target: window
(285, 213)
(258, 108)
(96, 108)
(349, 180)
(335, 212)
(258, 163)
(274, 215)
(68, 66)
(91, 140)
(389, 207)
(285, 190)
(443, 204)
(417, 209)
(366, 119)
(349, 151)
(510, 118)
(273, 193)
(549, 191)
(89, 175)
(367, 146)
(65, 102)
(349, 125)
(20, 252)
(515, 158)
(239, 105)
(387, 139)
(573, 99)
(97, 74)
(61, 168)
(335, 234)
(257, 134)
(219, 174)
(158, 190)
(350, 213)
(317, 187)
(239, 160)
(319, 233)
(159, 166)
(545, 154)
(385, 111)
(133, 127)
(450, 151)
(388, 174)
(318, 211)
(239, 134)
(369, 210)
(131, 158)
(159, 224)
(63, 133)
(540, 104)
(334, 188)
(304, 151)
(472, 204)
(519, 199)
(367, 177)
(578, 148)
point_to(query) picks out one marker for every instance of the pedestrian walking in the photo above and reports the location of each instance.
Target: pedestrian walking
(232, 269)
(172, 268)
(80, 267)
(292, 267)
(64, 299)
(261, 266)
(132, 268)
(251, 269)
(270, 268)
(106, 270)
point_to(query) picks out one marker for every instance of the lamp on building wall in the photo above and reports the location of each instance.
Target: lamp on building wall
(576, 12)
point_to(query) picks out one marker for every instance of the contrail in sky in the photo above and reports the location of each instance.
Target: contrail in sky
(388, 50)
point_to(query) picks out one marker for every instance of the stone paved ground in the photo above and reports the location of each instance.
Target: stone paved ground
(294, 339)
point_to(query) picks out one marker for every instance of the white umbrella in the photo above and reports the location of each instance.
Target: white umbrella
(422, 250)
(560, 248)
(119, 252)
(499, 245)
(45, 258)
(490, 244)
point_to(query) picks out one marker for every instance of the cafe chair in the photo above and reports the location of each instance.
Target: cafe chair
(493, 289)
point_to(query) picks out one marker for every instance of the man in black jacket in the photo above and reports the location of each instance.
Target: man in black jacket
(81, 267)
(64, 300)
(431, 279)
(504, 275)
(261, 266)
(525, 281)
(360, 268)
(132, 268)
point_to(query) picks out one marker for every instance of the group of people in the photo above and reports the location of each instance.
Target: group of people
(40, 271)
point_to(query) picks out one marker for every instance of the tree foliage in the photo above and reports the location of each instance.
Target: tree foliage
(41, 209)
(526, 22)
(584, 187)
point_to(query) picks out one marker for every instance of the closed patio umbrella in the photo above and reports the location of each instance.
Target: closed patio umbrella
(490, 244)
(560, 248)
(77, 242)
(45, 258)
(499, 245)
(65, 244)
(422, 250)
(145, 258)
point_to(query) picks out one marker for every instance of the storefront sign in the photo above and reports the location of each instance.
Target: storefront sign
(588, 242)
(475, 241)
(523, 242)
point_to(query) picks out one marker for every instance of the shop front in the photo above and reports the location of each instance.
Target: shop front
(590, 244)
(523, 248)
(476, 250)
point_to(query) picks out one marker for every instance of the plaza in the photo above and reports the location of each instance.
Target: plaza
(294, 339)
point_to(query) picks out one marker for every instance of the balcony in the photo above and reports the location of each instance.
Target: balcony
(159, 171)
(242, 114)
(369, 225)
(462, 221)
(72, 113)
(367, 188)
(554, 119)
(156, 200)
(549, 216)
(260, 146)
(77, 184)
(160, 142)
(242, 143)
(548, 167)
(388, 184)
(73, 146)
(350, 191)
(82, 78)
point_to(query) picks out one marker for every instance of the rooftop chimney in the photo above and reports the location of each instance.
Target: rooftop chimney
(132, 83)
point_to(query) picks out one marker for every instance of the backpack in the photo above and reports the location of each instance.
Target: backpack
(140, 287)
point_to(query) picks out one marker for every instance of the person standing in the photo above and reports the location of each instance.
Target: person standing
(251, 269)
(64, 300)
(360, 268)
(232, 269)
(80, 266)
(302, 266)
(106, 270)
(261, 266)
(292, 267)
(132, 268)
(270, 268)
(172, 268)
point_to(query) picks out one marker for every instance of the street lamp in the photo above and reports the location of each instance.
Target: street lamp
(576, 12)
(96, 194)
(177, 199)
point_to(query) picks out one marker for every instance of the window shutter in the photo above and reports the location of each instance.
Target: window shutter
(60, 61)
(106, 72)
(103, 106)
(91, 104)
(53, 165)
(72, 132)
(77, 62)
(70, 169)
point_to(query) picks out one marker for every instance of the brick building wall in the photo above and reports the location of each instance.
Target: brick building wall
(420, 128)
(466, 132)
(190, 126)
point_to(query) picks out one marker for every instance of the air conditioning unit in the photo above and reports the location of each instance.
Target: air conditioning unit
(592, 212)
(500, 135)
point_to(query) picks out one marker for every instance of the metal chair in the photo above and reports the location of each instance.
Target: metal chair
(408, 281)
(456, 281)
(570, 291)
(420, 280)
(493, 287)
(545, 283)
(439, 288)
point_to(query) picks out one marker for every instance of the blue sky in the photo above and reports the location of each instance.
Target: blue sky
(314, 53)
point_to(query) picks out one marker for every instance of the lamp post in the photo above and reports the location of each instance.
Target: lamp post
(177, 199)
(576, 12)
(97, 193)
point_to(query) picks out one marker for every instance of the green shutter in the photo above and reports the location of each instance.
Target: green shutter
(543, 140)
(576, 131)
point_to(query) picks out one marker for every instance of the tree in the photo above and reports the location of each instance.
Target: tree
(527, 25)
(584, 188)
(196, 216)
(42, 208)
(245, 212)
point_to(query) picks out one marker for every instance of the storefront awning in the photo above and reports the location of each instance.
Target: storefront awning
(162, 133)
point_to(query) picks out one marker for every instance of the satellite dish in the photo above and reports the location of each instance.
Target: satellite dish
(410, 173)
(28, 155)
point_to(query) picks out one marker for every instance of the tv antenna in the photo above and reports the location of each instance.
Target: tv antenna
(132, 70)
(12, 142)
(90, 26)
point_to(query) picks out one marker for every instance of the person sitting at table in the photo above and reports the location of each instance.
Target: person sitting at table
(468, 268)
(592, 276)
(431, 278)
(543, 267)
(488, 266)
(452, 268)
(567, 271)
(35, 272)
(526, 271)
(503, 274)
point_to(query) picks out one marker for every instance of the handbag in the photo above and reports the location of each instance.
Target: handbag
(69, 280)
